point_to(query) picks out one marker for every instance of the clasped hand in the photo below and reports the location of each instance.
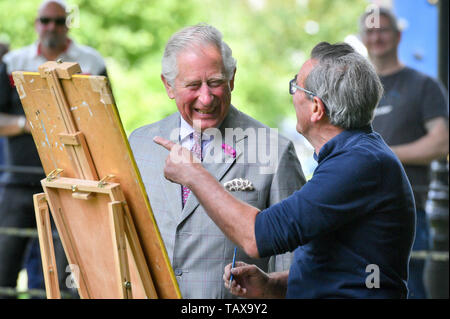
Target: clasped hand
(248, 280)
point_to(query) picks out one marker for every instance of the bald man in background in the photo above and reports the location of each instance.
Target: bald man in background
(16, 202)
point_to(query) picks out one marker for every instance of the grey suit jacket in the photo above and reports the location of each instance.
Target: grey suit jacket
(196, 247)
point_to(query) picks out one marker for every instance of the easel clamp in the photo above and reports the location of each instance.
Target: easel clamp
(80, 185)
(64, 70)
(54, 174)
(103, 182)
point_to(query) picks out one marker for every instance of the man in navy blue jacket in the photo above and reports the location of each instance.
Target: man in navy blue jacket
(351, 226)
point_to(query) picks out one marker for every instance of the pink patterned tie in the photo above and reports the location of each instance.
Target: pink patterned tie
(197, 151)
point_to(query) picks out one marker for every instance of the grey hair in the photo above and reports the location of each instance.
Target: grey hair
(347, 84)
(188, 37)
(382, 11)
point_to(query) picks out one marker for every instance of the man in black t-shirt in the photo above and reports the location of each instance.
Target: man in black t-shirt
(16, 202)
(412, 117)
(3, 49)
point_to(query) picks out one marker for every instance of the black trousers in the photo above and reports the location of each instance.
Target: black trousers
(17, 211)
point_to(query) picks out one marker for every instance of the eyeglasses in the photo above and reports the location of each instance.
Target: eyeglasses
(293, 87)
(60, 21)
(382, 31)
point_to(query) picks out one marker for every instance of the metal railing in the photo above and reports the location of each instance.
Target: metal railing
(429, 255)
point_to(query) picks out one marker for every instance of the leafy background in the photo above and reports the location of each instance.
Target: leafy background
(270, 40)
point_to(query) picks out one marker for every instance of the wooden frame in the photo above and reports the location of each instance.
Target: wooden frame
(106, 225)
(63, 197)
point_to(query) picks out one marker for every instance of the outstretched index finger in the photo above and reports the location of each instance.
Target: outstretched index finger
(163, 142)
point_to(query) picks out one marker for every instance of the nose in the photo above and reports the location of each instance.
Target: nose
(374, 35)
(51, 25)
(205, 97)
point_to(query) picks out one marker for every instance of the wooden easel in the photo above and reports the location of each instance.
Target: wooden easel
(93, 217)
(120, 223)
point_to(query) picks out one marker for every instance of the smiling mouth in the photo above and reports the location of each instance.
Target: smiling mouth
(206, 111)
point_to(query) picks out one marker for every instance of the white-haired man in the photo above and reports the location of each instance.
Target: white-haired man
(351, 226)
(198, 72)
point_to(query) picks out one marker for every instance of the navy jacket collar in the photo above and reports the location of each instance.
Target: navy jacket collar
(340, 140)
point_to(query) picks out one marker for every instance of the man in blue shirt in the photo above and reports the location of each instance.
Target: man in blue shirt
(351, 226)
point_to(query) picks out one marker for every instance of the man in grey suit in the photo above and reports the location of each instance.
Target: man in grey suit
(198, 73)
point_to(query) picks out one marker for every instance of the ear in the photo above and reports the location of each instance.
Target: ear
(232, 80)
(317, 110)
(169, 88)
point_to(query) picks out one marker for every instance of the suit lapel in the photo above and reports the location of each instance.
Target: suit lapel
(171, 131)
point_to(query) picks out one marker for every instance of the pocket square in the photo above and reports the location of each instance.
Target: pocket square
(239, 184)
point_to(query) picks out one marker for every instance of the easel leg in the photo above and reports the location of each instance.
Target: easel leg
(120, 251)
(139, 257)
(46, 246)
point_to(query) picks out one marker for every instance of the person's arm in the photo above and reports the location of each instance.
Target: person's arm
(235, 218)
(251, 282)
(12, 125)
(432, 146)
(314, 210)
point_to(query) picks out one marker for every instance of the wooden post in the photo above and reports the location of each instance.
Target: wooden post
(120, 249)
(78, 150)
(46, 246)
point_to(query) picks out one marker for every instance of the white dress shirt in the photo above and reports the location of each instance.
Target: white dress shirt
(186, 140)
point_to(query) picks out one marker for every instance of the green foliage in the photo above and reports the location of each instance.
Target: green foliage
(270, 42)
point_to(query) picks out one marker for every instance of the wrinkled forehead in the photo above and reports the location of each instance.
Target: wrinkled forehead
(305, 70)
(208, 56)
